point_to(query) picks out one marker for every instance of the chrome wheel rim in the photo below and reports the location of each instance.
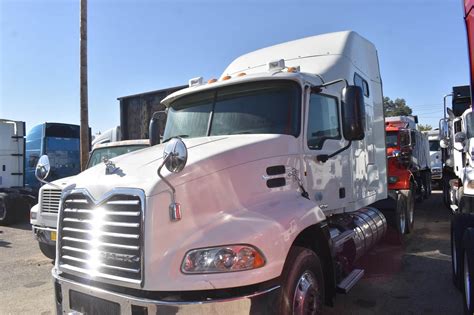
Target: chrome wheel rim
(411, 212)
(402, 222)
(467, 283)
(305, 300)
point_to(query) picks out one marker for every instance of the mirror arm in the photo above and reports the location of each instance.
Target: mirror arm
(317, 88)
(173, 190)
(46, 182)
(324, 157)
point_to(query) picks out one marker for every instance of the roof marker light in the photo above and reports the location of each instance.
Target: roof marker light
(211, 80)
(276, 65)
(195, 81)
(241, 74)
(294, 69)
(227, 77)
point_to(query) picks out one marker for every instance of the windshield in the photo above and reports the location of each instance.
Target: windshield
(434, 145)
(391, 138)
(469, 125)
(111, 152)
(271, 107)
(63, 156)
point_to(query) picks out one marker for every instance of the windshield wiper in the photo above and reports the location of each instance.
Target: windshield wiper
(179, 136)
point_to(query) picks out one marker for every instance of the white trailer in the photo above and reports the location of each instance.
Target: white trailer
(259, 199)
(15, 200)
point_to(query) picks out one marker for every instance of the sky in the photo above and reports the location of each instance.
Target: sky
(138, 46)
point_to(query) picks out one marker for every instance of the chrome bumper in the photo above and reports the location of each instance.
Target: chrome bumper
(43, 234)
(261, 302)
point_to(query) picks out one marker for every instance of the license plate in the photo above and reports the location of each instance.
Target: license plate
(53, 235)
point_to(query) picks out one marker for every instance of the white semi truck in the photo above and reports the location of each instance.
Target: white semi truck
(257, 201)
(44, 215)
(435, 157)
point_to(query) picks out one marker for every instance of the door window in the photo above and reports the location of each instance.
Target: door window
(323, 120)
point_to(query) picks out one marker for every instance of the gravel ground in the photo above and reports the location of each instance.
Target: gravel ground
(414, 278)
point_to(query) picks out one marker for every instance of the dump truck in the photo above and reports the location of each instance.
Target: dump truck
(409, 172)
(258, 199)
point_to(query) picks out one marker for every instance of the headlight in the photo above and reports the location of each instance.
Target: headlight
(222, 259)
(392, 179)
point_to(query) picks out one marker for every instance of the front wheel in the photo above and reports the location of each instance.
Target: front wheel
(468, 271)
(410, 208)
(6, 212)
(401, 214)
(48, 250)
(302, 283)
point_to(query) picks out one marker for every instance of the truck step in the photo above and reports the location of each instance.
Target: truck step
(454, 208)
(348, 282)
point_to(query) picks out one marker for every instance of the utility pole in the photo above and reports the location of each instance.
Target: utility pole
(83, 83)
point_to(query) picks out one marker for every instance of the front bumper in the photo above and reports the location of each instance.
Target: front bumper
(44, 235)
(66, 291)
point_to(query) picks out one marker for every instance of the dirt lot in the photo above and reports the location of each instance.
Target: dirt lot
(411, 279)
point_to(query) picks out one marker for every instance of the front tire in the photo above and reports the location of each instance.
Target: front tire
(401, 214)
(459, 223)
(302, 283)
(7, 216)
(48, 250)
(468, 271)
(410, 208)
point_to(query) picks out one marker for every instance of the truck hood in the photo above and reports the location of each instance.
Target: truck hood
(206, 155)
(59, 183)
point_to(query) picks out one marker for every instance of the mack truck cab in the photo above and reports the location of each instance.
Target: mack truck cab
(257, 200)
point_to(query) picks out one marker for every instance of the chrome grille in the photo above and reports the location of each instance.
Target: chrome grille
(50, 200)
(102, 240)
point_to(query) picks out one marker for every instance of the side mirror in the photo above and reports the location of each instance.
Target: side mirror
(157, 123)
(444, 143)
(460, 137)
(353, 113)
(42, 168)
(175, 155)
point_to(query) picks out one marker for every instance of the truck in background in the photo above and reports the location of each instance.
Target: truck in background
(15, 198)
(453, 133)
(137, 110)
(409, 175)
(44, 215)
(458, 142)
(262, 197)
(436, 163)
(61, 143)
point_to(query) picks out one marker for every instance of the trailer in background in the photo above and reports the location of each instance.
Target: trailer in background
(136, 111)
(15, 199)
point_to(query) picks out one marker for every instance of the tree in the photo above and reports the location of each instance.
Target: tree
(424, 127)
(398, 107)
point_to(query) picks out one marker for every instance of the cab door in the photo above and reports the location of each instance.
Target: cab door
(328, 183)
